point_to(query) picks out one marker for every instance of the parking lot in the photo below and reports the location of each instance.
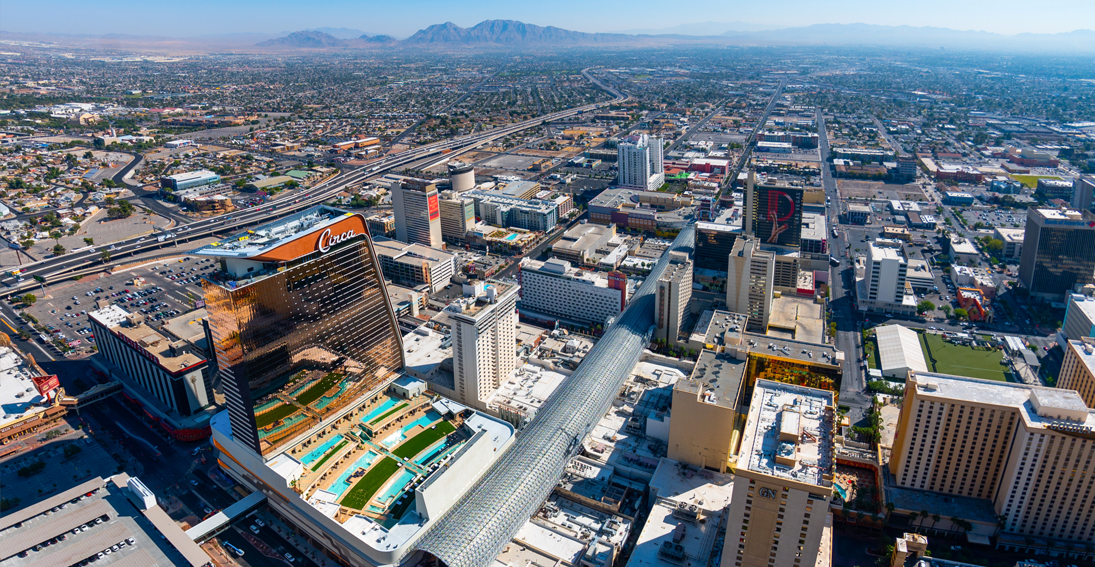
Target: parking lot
(993, 218)
(169, 288)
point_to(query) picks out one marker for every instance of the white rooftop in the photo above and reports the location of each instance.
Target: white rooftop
(526, 389)
(672, 486)
(269, 236)
(1027, 399)
(110, 316)
(899, 348)
(19, 396)
(886, 251)
(806, 459)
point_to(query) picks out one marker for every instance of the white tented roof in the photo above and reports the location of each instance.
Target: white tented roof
(899, 350)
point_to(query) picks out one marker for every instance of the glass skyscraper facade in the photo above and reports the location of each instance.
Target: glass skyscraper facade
(303, 335)
(1058, 252)
(714, 242)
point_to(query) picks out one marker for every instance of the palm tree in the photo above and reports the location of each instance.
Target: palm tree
(924, 514)
(956, 524)
(889, 509)
(1001, 521)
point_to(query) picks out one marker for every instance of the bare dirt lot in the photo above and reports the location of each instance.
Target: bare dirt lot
(855, 189)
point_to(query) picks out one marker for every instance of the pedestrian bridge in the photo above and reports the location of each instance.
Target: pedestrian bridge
(219, 521)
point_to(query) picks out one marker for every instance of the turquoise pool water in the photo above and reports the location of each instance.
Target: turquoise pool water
(341, 483)
(322, 403)
(437, 453)
(394, 438)
(285, 424)
(511, 237)
(318, 452)
(425, 421)
(267, 405)
(378, 410)
(396, 487)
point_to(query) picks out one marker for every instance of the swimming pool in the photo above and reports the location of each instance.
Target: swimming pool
(342, 482)
(396, 487)
(511, 237)
(378, 410)
(425, 421)
(321, 450)
(399, 436)
(437, 453)
(394, 438)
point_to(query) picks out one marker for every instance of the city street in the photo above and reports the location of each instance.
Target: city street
(853, 385)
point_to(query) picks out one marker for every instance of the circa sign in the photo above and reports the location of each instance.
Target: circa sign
(326, 239)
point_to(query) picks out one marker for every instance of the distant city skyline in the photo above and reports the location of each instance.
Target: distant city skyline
(205, 17)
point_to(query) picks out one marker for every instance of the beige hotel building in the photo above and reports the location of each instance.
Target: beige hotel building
(1029, 450)
(1078, 370)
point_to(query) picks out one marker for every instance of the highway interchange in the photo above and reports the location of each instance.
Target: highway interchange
(89, 259)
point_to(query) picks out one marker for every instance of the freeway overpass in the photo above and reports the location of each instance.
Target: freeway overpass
(86, 260)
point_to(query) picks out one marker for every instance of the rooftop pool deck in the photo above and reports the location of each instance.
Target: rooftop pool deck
(318, 452)
(342, 482)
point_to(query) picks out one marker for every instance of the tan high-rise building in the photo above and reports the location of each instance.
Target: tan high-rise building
(457, 216)
(1028, 449)
(705, 410)
(749, 280)
(783, 478)
(1078, 370)
(417, 212)
(672, 297)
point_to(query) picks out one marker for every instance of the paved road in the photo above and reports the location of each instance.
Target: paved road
(84, 261)
(853, 385)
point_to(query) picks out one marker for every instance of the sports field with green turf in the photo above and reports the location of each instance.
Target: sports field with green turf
(959, 360)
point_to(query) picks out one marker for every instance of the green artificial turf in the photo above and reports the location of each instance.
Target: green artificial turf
(384, 415)
(316, 390)
(330, 453)
(363, 490)
(949, 358)
(418, 443)
(279, 412)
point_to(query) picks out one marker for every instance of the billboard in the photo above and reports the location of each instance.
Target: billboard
(435, 211)
(46, 384)
(777, 215)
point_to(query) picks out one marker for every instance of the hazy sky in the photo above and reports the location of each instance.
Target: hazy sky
(401, 18)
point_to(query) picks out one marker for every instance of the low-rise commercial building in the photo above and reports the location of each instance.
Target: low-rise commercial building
(412, 265)
(30, 398)
(555, 288)
(899, 351)
(580, 243)
(168, 374)
(1013, 241)
(182, 181)
(112, 521)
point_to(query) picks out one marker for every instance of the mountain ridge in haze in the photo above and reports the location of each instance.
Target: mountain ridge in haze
(515, 34)
(506, 32)
(510, 34)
